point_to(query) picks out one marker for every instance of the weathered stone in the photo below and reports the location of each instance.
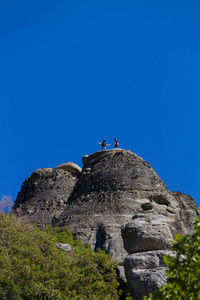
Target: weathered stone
(145, 272)
(141, 283)
(88, 158)
(146, 260)
(115, 188)
(44, 195)
(69, 167)
(147, 206)
(108, 195)
(65, 247)
(151, 232)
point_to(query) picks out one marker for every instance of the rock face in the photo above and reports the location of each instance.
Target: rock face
(155, 231)
(147, 238)
(145, 272)
(65, 247)
(70, 167)
(44, 194)
(117, 203)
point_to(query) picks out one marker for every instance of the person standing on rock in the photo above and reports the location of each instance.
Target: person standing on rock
(103, 144)
(116, 143)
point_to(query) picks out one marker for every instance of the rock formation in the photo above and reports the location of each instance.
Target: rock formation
(44, 194)
(117, 203)
(65, 247)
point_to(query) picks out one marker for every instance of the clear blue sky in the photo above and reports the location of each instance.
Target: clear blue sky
(75, 72)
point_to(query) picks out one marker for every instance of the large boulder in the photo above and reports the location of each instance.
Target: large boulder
(146, 233)
(70, 167)
(65, 247)
(146, 239)
(45, 193)
(146, 272)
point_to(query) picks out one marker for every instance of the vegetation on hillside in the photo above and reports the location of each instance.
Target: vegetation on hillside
(33, 268)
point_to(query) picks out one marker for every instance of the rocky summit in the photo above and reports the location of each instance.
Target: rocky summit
(116, 202)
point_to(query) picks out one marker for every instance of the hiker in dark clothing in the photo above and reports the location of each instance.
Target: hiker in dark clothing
(116, 143)
(103, 144)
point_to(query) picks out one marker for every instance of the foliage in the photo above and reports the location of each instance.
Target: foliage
(9, 290)
(36, 269)
(183, 272)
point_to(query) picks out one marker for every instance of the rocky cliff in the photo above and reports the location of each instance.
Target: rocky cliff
(118, 203)
(44, 194)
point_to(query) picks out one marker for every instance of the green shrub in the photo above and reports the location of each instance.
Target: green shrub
(9, 290)
(29, 258)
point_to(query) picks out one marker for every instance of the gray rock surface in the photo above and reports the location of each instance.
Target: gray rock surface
(145, 272)
(117, 203)
(146, 260)
(117, 187)
(147, 232)
(143, 282)
(70, 167)
(44, 195)
(65, 247)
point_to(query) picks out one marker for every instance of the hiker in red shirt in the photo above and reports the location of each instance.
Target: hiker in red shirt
(116, 143)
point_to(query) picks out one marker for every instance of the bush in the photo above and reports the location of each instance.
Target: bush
(9, 290)
(38, 270)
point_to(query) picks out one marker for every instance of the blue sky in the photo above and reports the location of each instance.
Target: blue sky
(75, 72)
